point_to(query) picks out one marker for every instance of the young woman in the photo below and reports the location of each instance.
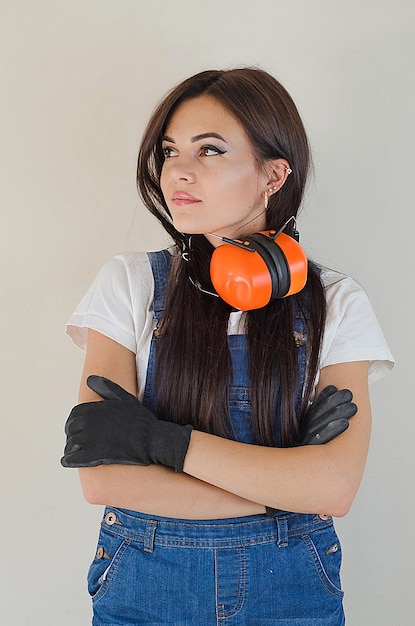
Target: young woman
(196, 410)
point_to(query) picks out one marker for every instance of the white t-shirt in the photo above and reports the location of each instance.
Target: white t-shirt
(119, 305)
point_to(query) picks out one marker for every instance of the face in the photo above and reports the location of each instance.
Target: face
(210, 179)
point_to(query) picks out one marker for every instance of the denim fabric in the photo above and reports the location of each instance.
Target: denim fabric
(253, 570)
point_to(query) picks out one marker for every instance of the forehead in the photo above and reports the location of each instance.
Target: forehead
(204, 114)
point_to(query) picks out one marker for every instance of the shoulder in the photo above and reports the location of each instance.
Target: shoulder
(133, 272)
(118, 303)
(335, 281)
(352, 330)
(343, 294)
(133, 266)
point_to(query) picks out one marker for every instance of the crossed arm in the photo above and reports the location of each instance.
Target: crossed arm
(225, 478)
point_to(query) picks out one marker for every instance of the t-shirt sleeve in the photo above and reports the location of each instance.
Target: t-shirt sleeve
(352, 330)
(109, 305)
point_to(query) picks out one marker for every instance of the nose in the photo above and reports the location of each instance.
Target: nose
(180, 169)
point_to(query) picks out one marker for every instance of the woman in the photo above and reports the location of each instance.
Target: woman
(217, 511)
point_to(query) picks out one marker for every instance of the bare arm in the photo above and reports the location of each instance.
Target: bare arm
(154, 489)
(234, 476)
(308, 479)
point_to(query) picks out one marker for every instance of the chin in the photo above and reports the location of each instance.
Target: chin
(183, 226)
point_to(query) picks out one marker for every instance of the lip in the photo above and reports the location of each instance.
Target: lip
(181, 198)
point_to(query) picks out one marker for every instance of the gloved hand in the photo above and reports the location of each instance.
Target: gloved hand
(120, 430)
(326, 418)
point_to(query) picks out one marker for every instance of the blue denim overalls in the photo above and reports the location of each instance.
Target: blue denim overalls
(157, 571)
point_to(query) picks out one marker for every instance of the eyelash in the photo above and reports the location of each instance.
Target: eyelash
(214, 149)
(167, 151)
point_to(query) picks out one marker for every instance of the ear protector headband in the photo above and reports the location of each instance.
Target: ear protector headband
(249, 273)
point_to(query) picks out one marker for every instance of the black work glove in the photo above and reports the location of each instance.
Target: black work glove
(326, 418)
(120, 430)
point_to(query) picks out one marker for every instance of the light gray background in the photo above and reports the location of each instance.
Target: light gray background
(78, 81)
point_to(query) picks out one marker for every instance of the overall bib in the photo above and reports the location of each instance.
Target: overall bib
(157, 571)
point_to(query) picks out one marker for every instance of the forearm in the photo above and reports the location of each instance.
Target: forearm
(159, 490)
(225, 478)
(306, 479)
(154, 489)
(295, 479)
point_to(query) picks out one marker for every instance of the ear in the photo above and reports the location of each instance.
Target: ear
(278, 171)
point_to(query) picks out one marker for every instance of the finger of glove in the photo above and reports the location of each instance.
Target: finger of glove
(80, 451)
(342, 411)
(328, 405)
(74, 422)
(71, 461)
(75, 441)
(75, 460)
(81, 414)
(80, 458)
(323, 395)
(326, 434)
(107, 389)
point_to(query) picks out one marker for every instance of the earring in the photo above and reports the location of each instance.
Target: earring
(288, 170)
(266, 196)
(187, 248)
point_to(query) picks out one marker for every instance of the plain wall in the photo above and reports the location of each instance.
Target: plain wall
(78, 81)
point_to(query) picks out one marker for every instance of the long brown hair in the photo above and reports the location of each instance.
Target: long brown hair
(193, 365)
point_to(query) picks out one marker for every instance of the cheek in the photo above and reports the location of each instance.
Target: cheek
(165, 185)
(162, 181)
(236, 182)
(248, 190)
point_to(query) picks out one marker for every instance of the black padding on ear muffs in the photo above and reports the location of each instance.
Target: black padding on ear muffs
(247, 273)
(275, 261)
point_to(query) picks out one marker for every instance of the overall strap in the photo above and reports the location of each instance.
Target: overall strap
(300, 339)
(160, 264)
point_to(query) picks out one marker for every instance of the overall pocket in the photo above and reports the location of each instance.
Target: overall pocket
(110, 551)
(324, 548)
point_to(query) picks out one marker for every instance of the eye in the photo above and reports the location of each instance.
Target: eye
(208, 151)
(169, 152)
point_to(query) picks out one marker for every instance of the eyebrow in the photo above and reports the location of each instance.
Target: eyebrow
(197, 137)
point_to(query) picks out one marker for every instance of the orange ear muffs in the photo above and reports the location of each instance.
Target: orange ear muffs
(248, 274)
